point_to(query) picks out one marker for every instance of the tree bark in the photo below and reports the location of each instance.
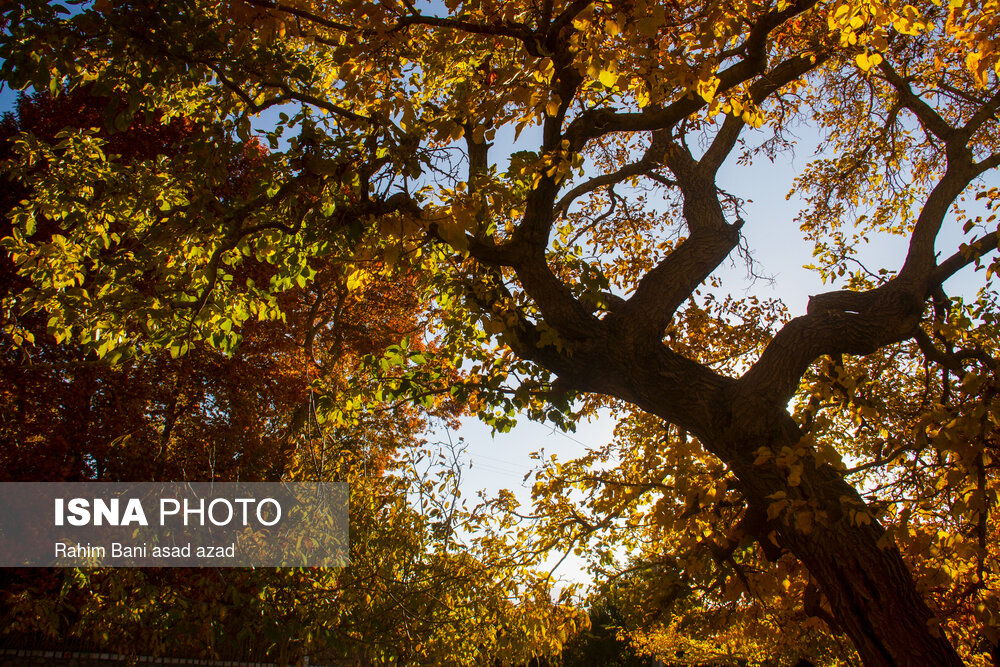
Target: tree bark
(871, 592)
(868, 585)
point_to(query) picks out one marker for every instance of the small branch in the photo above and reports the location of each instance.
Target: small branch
(652, 158)
(567, 16)
(301, 13)
(306, 98)
(940, 357)
(985, 113)
(518, 31)
(928, 117)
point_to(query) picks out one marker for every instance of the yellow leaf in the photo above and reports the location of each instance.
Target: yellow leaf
(795, 475)
(707, 88)
(357, 279)
(803, 522)
(775, 509)
(868, 60)
(493, 326)
(608, 79)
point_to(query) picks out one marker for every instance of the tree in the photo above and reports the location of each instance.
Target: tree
(579, 258)
(601, 646)
(917, 445)
(412, 593)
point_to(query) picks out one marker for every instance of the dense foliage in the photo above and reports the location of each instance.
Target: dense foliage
(544, 178)
(412, 593)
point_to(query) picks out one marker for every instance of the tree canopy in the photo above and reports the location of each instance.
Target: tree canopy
(414, 592)
(547, 172)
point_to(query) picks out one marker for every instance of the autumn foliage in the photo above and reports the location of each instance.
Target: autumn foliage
(528, 200)
(207, 415)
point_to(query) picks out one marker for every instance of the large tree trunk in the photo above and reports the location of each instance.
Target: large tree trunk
(870, 590)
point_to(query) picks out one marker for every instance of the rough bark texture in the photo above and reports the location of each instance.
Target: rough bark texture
(869, 587)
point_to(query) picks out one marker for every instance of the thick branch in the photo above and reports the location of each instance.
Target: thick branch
(982, 115)
(663, 289)
(967, 255)
(596, 123)
(848, 322)
(567, 16)
(920, 260)
(478, 154)
(556, 302)
(875, 319)
(778, 77)
(667, 286)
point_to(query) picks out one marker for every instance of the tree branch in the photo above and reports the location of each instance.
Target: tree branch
(920, 259)
(518, 31)
(652, 158)
(779, 76)
(924, 112)
(880, 317)
(592, 124)
(987, 111)
(301, 13)
(306, 98)
(664, 288)
(968, 254)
